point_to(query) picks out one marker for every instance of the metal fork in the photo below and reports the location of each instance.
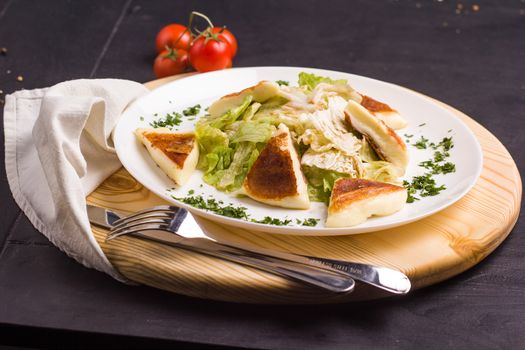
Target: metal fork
(162, 223)
(176, 226)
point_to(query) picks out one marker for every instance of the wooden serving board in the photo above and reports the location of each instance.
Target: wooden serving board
(428, 251)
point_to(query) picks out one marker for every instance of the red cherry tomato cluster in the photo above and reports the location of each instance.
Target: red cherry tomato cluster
(181, 47)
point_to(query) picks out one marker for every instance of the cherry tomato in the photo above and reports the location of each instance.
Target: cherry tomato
(226, 35)
(207, 54)
(170, 62)
(173, 36)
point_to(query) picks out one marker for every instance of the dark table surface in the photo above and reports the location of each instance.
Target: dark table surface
(471, 58)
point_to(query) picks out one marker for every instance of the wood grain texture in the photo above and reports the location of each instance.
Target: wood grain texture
(428, 251)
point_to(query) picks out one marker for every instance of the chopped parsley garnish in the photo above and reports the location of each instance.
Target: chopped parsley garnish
(440, 156)
(141, 118)
(420, 125)
(422, 143)
(192, 111)
(268, 220)
(408, 136)
(283, 82)
(308, 222)
(231, 211)
(411, 191)
(215, 206)
(424, 185)
(446, 144)
(437, 168)
(170, 120)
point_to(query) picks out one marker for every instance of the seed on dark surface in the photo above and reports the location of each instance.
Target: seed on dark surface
(3, 51)
(19, 78)
(475, 8)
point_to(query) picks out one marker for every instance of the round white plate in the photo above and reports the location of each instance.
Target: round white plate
(425, 118)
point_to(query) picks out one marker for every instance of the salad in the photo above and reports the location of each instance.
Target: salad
(238, 127)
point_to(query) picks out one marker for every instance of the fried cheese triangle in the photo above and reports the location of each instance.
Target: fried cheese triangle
(355, 200)
(276, 177)
(387, 144)
(389, 116)
(175, 152)
(260, 92)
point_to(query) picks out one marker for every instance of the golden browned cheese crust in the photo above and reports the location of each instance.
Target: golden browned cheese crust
(176, 147)
(390, 131)
(374, 105)
(272, 175)
(395, 136)
(347, 191)
(251, 88)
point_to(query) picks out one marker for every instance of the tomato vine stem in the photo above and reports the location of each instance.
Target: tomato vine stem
(201, 15)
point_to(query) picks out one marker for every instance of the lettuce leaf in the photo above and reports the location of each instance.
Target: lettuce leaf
(310, 81)
(250, 111)
(231, 179)
(232, 115)
(230, 144)
(211, 141)
(321, 182)
(252, 131)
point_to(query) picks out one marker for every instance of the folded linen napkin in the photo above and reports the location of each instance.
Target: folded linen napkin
(58, 149)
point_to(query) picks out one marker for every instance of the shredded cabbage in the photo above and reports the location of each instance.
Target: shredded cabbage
(367, 153)
(381, 171)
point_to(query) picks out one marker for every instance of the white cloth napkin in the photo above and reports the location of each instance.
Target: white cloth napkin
(58, 149)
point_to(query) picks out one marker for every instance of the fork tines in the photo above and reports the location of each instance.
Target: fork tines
(155, 218)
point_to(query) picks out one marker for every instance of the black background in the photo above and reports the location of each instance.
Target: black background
(472, 60)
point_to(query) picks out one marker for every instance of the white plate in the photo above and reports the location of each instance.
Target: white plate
(205, 88)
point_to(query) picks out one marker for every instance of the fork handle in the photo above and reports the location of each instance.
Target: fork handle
(313, 275)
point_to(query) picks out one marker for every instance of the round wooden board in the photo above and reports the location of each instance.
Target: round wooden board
(428, 251)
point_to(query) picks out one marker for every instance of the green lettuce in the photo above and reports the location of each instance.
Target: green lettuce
(229, 144)
(250, 111)
(310, 81)
(232, 115)
(231, 179)
(321, 182)
(252, 131)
